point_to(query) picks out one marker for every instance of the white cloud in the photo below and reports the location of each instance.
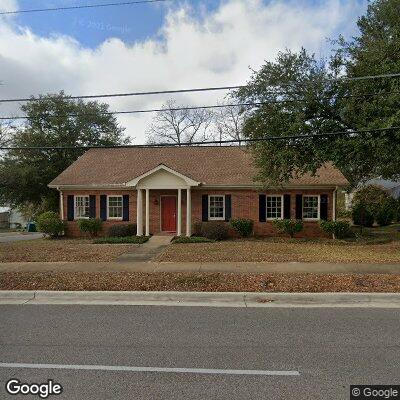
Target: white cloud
(215, 49)
(8, 5)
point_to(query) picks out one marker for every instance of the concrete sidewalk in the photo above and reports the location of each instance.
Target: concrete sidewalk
(226, 267)
(203, 299)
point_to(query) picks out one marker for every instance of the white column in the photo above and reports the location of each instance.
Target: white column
(147, 212)
(188, 212)
(179, 228)
(139, 213)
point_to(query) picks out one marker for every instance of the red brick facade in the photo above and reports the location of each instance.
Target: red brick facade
(244, 203)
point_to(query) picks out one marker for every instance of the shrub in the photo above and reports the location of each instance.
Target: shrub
(372, 196)
(397, 217)
(387, 212)
(339, 229)
(214, 230)
(289, 226)
(362, 215)
(51, 224)
(121, 240)
(243, 226)
(196, 229)
(122, 230)
(92, 226)
(191, 239)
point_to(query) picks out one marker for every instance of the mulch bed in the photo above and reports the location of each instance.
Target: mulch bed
(210, 282)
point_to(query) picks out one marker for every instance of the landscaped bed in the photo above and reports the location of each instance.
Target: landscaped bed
(47, 250)
(210, 282)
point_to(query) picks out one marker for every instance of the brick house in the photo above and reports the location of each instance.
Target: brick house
(167, 189)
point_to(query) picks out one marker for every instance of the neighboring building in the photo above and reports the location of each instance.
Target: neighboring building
(11, 218)
(167, 189)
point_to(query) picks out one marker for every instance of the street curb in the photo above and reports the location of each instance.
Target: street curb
(202, 299)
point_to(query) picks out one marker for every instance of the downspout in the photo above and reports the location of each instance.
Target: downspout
(61, 204)
(334, 204)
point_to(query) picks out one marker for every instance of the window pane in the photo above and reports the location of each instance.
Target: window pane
(216, 207)
(81, 206)
(115, 206)
(274, 207)
(310, 207)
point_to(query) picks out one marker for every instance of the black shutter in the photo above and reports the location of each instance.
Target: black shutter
(262, 207)
(299, 206)
(204, 207)
(70, 207)
(286, 206)
(103, 207)
(92, 206)
(125, 211)
(228, 207)
(323, 211)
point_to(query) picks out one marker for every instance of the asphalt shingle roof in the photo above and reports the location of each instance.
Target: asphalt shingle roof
(208, 165)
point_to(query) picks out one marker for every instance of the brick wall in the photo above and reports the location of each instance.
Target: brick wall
(244, 205)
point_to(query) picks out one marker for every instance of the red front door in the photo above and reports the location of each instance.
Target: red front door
(168, 213)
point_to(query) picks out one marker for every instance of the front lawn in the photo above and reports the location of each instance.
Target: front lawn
(377, 245)
(208, 282)
(45, 250)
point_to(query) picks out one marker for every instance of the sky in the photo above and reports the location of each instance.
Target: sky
(160, 46)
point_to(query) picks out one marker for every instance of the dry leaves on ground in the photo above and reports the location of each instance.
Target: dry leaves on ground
(46, 250)
(210, 282)
(282, 251)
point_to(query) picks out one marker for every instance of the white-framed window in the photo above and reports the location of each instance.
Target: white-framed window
(274, 207)
(81, 207)
(216, 207)
(114, 207)
(311, 207)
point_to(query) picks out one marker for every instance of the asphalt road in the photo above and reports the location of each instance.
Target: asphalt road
(330, 348)
(19, 237)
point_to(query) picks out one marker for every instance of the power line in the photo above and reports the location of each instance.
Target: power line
(267, 139)
(359, 78)
(125, 3)
(250, 104)
(206, 89)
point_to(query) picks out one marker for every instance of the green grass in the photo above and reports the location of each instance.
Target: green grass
(376, 235)
(122, 240)
(191, 239)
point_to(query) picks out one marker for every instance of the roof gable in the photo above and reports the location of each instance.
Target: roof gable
(162, 177)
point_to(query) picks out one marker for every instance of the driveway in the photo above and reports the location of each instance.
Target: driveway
(139, 352)
(19, 236)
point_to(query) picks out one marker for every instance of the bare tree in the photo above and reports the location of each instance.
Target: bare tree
(174, 125)
(229, 122)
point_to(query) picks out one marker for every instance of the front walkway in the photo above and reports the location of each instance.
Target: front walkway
(148, 250)
(127, 265)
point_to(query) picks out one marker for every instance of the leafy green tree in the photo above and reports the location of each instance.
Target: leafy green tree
(299, 96)
(52, 121)
(375, 51)
(308, 96)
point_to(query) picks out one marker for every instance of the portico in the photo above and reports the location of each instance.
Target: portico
(177, 186)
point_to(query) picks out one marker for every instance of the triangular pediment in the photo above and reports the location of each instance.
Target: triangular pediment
(162, 177)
